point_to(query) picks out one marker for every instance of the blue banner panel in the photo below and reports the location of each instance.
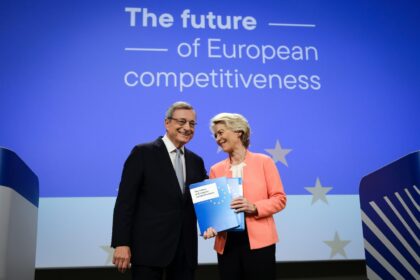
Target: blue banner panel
(390, 200)
(15, 174)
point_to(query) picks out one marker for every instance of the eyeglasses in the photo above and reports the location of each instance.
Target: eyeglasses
(182, 122)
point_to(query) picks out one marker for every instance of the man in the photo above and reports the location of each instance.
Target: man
(154, 227)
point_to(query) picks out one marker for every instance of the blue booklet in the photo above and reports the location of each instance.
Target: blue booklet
(211, 200)
(236, 190)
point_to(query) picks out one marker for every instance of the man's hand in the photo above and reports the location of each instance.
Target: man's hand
(121, 258)
(209, 233)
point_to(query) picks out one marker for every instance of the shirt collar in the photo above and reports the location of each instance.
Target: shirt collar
(169, 145)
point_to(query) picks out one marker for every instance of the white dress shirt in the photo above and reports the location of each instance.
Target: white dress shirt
(170, 147)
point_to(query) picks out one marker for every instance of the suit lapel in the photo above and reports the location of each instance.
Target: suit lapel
(188, 167)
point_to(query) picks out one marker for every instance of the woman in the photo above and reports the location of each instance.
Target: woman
(249, 254)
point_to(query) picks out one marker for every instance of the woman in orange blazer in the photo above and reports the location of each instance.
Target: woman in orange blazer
(249, 254)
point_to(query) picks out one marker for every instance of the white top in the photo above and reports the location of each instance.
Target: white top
(170, 147)
(237, 170)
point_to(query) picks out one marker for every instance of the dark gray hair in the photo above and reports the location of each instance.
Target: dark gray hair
(234, 122)
(178, 106)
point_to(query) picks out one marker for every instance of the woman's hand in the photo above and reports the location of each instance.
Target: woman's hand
(241, 204)
(210, 233)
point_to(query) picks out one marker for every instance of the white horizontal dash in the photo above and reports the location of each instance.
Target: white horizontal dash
(292, 24)
(145, 50)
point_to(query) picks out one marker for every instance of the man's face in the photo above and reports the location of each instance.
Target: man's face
(179, 128)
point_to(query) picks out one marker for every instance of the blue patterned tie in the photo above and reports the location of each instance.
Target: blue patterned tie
(179, 169)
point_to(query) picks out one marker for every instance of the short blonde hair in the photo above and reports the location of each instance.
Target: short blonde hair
(234, 122)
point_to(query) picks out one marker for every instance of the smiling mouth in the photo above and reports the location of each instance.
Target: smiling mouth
(185, 133)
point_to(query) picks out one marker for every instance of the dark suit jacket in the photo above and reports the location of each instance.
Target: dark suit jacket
(151, 215)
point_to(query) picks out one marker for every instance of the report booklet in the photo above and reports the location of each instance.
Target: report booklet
(236, 190)
(211, 200)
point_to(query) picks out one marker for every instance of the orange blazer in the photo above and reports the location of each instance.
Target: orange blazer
(263, 187)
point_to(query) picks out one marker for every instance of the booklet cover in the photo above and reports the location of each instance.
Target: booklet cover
(211, 200)
(236, 190)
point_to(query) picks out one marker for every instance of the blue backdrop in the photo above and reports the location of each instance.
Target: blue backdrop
(68, 111)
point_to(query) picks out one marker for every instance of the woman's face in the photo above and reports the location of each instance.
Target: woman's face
(227, 139)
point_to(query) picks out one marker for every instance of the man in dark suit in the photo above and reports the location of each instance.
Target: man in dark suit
(154, 226)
